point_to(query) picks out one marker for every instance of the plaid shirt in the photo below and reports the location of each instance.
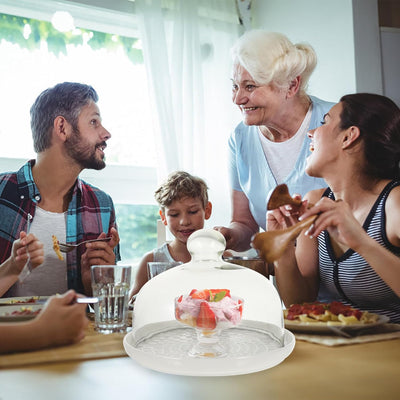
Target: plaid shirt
(90, 212)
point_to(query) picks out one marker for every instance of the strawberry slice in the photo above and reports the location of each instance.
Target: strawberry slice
(240, 302)
(200, 294)
(206, 318)
(219, 294)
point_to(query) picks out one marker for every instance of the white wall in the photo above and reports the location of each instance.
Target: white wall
(368, 60)
(344, 34)
(390, 44)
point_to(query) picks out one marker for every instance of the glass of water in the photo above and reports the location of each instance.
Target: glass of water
(155, 268)
(110, 284)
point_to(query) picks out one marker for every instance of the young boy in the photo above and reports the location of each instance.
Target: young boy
(184, 207)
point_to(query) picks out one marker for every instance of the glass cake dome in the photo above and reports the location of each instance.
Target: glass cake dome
(208, 317)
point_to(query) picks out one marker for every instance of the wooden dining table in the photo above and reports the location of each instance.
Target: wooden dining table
(98, 368)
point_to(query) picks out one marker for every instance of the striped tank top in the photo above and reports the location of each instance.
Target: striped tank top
(349, 278)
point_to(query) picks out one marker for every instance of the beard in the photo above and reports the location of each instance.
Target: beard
(84, 153)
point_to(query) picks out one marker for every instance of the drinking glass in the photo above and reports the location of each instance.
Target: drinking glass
(110, 284)
(155, 268)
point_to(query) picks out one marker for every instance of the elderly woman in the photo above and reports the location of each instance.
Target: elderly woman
(353, 247)
(270, 146)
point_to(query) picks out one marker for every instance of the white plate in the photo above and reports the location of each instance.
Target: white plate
(164, 347)
(7, 316)
(24, 301)
(324, 327)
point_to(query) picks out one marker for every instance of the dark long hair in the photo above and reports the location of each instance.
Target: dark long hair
(378, 119)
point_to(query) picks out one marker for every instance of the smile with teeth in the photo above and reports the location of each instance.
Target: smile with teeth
(248, 108)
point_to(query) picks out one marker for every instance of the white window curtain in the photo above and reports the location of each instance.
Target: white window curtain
(186, 46)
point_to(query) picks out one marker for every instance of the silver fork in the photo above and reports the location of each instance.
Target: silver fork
(28, 265)
(66, 248)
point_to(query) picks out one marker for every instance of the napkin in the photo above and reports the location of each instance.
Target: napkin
(378, 333)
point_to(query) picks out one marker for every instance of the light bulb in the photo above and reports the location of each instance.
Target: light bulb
(63, 21)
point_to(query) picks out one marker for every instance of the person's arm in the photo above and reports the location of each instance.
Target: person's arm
(60, 322)
(242, 227)
(24, 248)
(98, 253)
(296, 272)
(141, 275)
(337, 218)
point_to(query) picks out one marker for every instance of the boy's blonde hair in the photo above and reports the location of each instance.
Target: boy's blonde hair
(181, 184)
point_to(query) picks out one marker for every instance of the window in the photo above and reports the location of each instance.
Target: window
(102, 50)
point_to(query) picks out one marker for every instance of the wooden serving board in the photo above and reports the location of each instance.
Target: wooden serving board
(93, 346)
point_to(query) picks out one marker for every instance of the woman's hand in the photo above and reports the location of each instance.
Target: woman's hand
(242, 227)
(27, 246)
(337, 218)
(285, 216)
(24, 248)
(232, 236)
(61, 321)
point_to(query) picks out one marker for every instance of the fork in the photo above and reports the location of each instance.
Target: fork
(28, 265)
(66, 248)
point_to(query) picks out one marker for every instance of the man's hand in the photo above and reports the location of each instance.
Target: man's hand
(98, 253)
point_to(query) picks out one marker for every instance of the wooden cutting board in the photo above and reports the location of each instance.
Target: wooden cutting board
(93, 346)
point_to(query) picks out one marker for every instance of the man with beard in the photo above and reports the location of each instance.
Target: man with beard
(46, 198)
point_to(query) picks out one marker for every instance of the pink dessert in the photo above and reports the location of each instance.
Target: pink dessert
(209, 309)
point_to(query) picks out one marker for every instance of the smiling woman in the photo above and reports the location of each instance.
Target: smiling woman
(270, 146)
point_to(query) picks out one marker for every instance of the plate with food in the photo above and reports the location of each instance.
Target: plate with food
(14, 313)
(326, 317)
(23, 300)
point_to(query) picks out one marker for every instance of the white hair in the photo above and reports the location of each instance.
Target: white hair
(271, 58)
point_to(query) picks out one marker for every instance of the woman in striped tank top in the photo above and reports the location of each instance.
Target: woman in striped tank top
(353, 247)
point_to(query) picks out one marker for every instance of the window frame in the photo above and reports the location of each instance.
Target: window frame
(125, 184)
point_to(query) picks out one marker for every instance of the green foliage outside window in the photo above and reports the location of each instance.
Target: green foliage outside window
(137, 227)
(12, 30)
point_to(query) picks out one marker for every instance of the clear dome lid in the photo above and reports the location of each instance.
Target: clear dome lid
(208, 296)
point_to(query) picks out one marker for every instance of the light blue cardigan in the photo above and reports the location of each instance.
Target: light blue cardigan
(251, 174)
